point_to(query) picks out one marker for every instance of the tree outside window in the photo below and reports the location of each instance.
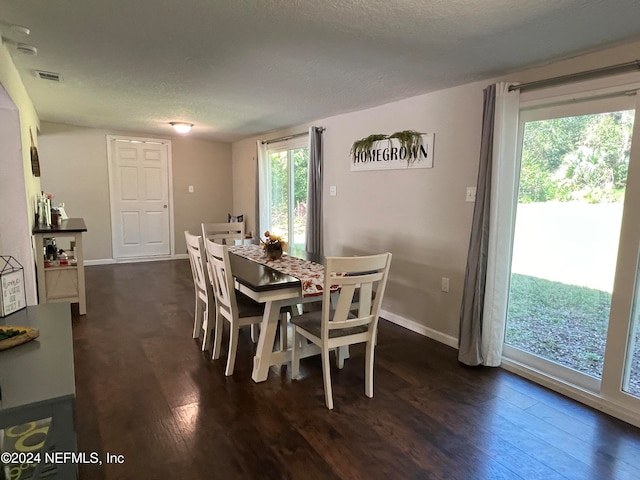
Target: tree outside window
(288, 170)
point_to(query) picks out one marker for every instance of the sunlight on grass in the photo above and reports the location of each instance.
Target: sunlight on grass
(566, 324)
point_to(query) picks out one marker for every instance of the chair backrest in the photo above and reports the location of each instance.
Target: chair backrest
(221, 278)
(364, 278)
(227, 232)
(195, 248)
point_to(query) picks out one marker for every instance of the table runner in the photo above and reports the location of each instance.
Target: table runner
(310, 274)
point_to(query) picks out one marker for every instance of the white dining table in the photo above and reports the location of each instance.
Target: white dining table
(265, 281)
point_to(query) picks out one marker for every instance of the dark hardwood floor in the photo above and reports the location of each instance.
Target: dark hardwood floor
(147, 392)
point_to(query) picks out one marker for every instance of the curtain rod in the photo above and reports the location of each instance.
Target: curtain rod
(289, 137)
(572, 77)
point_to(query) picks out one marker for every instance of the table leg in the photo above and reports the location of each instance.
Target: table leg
(262, 359)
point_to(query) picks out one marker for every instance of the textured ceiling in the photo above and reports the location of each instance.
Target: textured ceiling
(236, 68)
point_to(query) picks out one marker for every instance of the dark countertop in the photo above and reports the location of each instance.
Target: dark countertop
(40, 370)
(70, 225)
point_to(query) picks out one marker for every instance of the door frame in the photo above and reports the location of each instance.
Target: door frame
(167, 144)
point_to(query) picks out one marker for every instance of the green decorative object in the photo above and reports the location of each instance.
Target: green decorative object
(365, 144)
(409, 139)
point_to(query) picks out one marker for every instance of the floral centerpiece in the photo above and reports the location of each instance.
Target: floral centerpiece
(273, 245)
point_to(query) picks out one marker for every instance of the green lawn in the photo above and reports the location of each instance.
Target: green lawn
(563, 323)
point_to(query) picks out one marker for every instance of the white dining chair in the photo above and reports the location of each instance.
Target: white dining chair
(204, 299)
(225, 232)
(336, 326)
(234, 307)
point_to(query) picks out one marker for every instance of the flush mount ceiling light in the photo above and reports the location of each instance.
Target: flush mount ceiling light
(181, 127)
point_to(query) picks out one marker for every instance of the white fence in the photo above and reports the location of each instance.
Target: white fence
(573, 243)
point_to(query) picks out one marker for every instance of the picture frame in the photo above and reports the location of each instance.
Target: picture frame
(13, 295)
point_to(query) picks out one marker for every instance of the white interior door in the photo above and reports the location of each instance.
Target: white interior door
(139, 185)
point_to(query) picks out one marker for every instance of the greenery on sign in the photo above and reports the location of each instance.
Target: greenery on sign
(576, 158)
(409, 139)
(365, 144)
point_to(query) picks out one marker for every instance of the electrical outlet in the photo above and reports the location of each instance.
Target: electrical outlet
(190, 188)
(333, 190)
(445, 284)
(471, 194)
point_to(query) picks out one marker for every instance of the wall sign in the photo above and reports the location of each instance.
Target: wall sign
(13, 297)
(390, 155)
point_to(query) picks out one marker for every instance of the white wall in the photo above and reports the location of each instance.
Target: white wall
(419, 215)
(207, 167)
(74, 168)
(18, 186)
(244, 172)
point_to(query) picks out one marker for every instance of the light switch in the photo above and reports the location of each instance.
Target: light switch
(190, 188)
(471, 194)
(333, 190)
(445, 285)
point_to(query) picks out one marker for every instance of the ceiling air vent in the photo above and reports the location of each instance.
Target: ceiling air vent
(52, 76)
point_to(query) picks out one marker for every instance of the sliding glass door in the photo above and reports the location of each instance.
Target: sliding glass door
(288, 178)
(572, 310)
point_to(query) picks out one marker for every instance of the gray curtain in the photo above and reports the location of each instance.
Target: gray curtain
(314, 193)
(470, 333)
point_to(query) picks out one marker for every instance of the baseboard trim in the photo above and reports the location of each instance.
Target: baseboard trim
(111, 261)
(419, 328)
(101, 261)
